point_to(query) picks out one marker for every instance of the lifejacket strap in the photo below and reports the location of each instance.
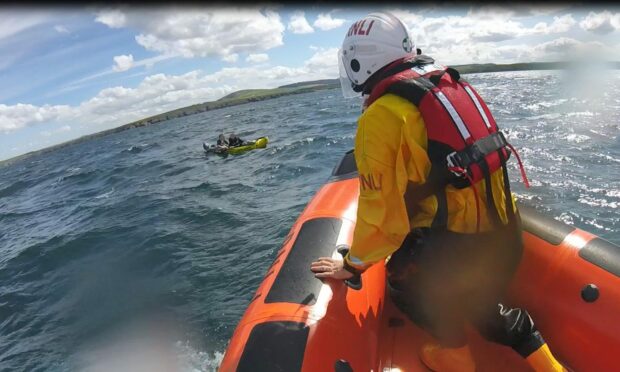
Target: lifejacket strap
(456, 76)
(510, 213)
(492, 213)
(412, 90)
(478, 151)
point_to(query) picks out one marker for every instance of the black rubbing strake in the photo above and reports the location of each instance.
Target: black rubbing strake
(543, 227)
(274, 346)
(347, 168)
(603, 254)
(295, 282)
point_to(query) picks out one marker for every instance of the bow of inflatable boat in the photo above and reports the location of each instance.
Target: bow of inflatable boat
(569, 280)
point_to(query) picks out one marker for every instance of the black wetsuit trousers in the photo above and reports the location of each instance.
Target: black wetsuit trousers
(442, 279)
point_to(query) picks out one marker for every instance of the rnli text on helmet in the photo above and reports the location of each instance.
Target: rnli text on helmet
(358, 28)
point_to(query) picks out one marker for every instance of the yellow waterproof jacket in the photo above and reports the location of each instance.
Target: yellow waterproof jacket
(390, 150)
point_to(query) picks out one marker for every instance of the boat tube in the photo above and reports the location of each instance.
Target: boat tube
(569, 280)
(259, 143)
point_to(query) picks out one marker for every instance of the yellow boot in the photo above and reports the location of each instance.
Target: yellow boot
(442, 359)
(543, 361)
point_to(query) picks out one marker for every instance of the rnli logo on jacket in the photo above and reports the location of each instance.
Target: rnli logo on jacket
(358, 28)
(371, 182)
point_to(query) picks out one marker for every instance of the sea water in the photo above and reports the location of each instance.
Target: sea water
(136, 251)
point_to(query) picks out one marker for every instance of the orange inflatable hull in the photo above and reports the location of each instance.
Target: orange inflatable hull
(569, 280)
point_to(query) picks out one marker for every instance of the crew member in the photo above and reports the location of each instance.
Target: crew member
(221, 140)
(434, 198)
(234, 140)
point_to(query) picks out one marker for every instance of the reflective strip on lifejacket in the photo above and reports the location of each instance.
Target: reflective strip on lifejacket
(478, 106)
(455, 115)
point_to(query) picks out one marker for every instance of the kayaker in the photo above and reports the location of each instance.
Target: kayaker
(423, 206)
(234, 141)
(221, 140)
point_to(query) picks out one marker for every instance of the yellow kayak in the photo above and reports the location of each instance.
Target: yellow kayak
(259, 143)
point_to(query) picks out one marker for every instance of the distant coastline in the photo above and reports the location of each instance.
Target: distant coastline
(253, 95)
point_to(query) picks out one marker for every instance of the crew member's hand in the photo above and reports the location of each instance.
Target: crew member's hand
(327, 267)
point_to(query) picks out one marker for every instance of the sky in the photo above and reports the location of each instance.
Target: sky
(70, 71)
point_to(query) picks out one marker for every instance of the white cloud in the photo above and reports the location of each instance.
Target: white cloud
(14, 22)
(149, 62)
(563, 44)
(560, 49)
(231, 58)
(547, 9)
(559, 25)
(200, 32)
(601, 23)
(326, 22)
(112, 18)
(76, 84)
(497, 11)
(571, 49)
(498, 29)
(298, 24)
(155, 94)
(324, 61)
(160, 93)
(123, 63)
(493, 33)
(21, 115)
(514, 11)
(257, 58)
(480, 36)
(61, 29)
(484, 25)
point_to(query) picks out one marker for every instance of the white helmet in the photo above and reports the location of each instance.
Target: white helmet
(370, 44)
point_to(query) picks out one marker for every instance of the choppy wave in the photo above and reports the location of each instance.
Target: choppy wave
(100, 235)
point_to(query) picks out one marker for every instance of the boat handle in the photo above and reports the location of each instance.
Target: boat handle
(356, 281)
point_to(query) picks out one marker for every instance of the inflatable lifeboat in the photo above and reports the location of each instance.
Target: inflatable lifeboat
(569, 280)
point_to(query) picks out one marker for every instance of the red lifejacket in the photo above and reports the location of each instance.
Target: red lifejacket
(465, 145)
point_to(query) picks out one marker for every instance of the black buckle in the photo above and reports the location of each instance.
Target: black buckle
(454, 161)
(503, 142)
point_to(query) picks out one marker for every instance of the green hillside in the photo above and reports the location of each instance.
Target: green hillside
(246, 93)
(236, 98)
(315, 82)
